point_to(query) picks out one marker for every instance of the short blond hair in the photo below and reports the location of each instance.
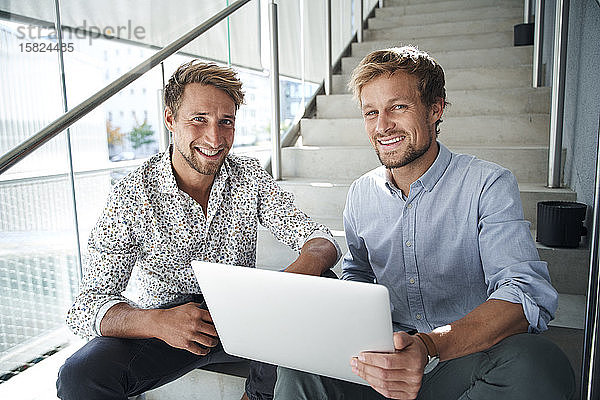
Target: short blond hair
(430, 75)
(223, 78)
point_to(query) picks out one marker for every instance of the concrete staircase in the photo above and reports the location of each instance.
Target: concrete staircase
(495, 115)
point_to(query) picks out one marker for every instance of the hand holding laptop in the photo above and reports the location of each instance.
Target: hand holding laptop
(396, 372)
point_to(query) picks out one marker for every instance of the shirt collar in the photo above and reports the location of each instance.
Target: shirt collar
(437, 169)
(433, 174)
(168, 184)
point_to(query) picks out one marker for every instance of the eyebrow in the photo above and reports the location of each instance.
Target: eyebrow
(398, 99)
(230, 116)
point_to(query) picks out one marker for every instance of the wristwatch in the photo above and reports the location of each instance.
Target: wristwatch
(433, 356)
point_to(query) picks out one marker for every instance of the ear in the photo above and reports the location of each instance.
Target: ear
(436, 110)
(169, 119)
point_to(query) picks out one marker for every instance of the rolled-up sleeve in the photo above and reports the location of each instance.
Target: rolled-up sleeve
(511, 264)
(106, 270)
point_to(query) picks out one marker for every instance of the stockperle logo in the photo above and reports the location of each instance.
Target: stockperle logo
(83, 31)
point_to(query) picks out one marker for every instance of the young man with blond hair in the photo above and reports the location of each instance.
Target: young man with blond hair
(445, 233)
(194, 201)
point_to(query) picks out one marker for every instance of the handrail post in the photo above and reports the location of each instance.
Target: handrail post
(559, 64)
(275, 116)
(359, 30)
(538, 39)
(380, 3)
(63, 84)
(527, 11)
(590, 387)
(328, 50)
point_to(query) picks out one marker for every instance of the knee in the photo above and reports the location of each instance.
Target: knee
(535, 364)
(93, 366)
(293, 384)
(71, 377)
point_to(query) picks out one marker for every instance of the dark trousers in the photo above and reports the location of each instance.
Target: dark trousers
(520, 367)
(109, 368)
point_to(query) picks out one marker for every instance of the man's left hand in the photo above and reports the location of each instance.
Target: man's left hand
(396, 375)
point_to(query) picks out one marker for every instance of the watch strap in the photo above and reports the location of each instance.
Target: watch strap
(432, 350)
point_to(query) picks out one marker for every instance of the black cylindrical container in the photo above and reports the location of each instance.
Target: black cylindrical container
(560, 223)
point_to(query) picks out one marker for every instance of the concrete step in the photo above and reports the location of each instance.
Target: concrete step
(569, 268)
(570, 312)
(432, 3)
(430, 7)
(200, 384)
(387, 20)
(463, 103)
(466, 78)
(492, 130)
(528, 163)
(475, 41)
(479, 26)
(448, 57)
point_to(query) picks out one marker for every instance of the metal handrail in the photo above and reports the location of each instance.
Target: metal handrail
(527, 11)
(60, 124)
(559, 67)
(590, 387)
(538, 40)
(275, 116)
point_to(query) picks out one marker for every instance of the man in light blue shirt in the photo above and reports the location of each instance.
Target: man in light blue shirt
(445, 233)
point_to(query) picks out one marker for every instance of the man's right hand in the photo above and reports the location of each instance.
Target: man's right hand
(187, 327)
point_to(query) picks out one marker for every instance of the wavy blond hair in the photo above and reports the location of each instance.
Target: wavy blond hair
(223, 78)
(429, 74)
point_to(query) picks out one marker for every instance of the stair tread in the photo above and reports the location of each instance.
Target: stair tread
(544, 90)
(452, 36)
(570, 312)
(508, 21)
(313, 148)
(450, 5)
(293, 180)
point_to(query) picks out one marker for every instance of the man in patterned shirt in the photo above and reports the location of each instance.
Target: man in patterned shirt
(194, 201)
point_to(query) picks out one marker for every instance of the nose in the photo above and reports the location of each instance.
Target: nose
(212, 135)
(384, 123)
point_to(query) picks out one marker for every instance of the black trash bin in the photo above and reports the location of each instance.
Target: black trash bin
(560, 223)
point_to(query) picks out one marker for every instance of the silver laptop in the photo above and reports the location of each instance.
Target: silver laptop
(308, 323)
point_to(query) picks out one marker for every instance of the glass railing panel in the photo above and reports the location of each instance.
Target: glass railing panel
(38, 261)
(30, 91)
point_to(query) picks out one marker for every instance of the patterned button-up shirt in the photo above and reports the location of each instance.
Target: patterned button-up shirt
(150, 224)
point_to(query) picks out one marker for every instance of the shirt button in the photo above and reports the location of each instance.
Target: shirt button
(418, 316)
(412, 280)
(409, 205)
(408, 243)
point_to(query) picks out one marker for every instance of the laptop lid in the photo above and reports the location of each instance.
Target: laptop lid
(303, 322)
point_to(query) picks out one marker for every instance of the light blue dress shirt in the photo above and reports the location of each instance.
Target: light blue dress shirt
(458, 240)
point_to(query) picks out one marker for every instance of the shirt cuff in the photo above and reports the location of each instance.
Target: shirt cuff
(538, 321)
(101, 313)
(325, 235)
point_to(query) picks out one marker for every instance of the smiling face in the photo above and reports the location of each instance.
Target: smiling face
(400, 127)
(203, 130)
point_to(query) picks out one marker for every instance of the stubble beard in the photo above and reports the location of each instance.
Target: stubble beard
(410, 154)
(204, 167)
